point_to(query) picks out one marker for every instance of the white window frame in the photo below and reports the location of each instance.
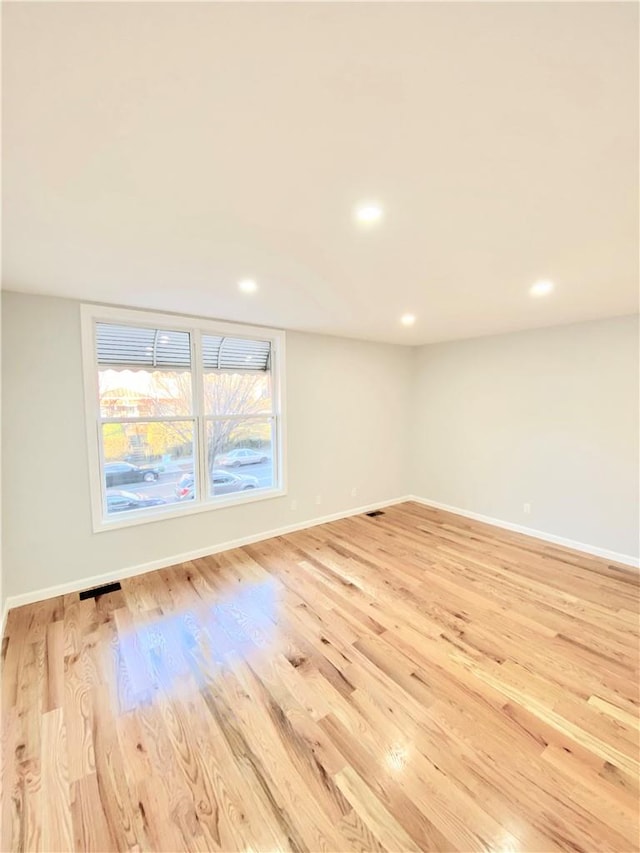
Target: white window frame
(92, 314)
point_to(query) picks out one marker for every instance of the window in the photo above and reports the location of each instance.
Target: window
(182, 415)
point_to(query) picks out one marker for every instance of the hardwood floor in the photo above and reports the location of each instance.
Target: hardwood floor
(415, 681)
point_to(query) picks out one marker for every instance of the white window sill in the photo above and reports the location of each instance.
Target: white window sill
(177, 510)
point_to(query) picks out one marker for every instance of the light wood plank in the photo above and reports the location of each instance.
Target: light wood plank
(417, 681)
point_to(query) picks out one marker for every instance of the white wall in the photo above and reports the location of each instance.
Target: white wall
(3, 591)
(546, 417)
(347, 414)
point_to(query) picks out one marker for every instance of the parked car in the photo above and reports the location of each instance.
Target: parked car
(184, 488)
(124, 472)
(241, 456)
(222, 483)
(122, 501)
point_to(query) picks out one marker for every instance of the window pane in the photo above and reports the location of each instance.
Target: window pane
(147, 464)
(240, 455)
(237, 393)
(143, 393)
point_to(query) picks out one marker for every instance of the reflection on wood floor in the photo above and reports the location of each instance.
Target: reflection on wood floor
(415, 681)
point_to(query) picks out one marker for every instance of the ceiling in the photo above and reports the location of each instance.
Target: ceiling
(155, 154)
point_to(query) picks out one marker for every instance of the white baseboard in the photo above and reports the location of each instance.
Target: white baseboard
(614, 556)
(131, 571)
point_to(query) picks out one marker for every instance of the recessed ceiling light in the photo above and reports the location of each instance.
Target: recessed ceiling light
(408, 319)
(368, 213)
(248, 285)
(541, 288)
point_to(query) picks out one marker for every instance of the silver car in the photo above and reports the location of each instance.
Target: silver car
(222, 483)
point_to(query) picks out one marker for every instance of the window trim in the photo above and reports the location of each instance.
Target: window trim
(91, 314)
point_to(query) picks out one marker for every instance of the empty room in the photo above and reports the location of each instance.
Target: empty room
(320, 427)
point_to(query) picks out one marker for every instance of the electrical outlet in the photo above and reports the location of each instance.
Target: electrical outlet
(354, 492)
(527, 509)
(294, 504)
(318, 500)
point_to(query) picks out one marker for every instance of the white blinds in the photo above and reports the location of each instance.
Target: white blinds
(143, 348)
(138, 347)
(235, 354)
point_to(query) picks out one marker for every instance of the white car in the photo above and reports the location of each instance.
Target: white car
(241, 456)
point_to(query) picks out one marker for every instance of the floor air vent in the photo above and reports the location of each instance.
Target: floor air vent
(375, 513)
(100, 590)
